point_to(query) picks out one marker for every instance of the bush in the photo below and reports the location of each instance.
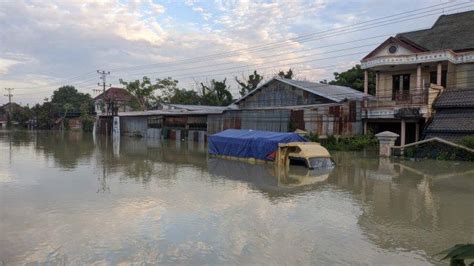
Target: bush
(313, 137)
(467, 141)
(438, 151)
(354, 143)
(87, 124)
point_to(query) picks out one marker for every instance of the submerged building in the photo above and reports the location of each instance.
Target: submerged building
(412, 69)
(280, 105)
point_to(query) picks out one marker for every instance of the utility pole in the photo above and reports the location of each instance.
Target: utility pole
(103, 76)
(9, 94)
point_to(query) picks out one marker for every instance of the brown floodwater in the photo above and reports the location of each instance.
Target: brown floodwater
(74, 199)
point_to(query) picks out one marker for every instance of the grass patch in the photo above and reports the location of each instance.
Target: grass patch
(467, 141)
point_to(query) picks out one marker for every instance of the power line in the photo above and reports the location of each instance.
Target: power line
(371, 20)
(301, 38)
(280, 54)
(246, 66)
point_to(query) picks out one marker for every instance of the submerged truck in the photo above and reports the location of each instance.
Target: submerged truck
(267, 146)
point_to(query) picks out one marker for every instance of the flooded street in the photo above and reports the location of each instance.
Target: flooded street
(72, 199)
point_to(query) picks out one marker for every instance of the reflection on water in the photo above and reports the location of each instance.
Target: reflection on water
(67, 198)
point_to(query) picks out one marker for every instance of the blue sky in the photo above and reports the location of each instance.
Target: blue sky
(48, 43)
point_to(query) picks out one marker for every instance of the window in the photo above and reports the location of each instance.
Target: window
(400, 85)
(434, 77)
(154, 122)
(392, 49)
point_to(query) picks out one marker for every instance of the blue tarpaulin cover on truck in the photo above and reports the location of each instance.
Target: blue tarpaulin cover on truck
(249, 143)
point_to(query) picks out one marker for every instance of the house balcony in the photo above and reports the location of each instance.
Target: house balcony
(414, 103)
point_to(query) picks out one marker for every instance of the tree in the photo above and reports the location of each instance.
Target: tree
(167, 88)
(216, 93)
(251, 83)
(183, 96)
(67, 107)
(287, 75)
(43, 114)
(354, 78)
(144, 91)
(69, 95)
(171, 93)
(21, 115)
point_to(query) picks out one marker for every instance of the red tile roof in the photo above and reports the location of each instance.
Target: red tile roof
(116, 94)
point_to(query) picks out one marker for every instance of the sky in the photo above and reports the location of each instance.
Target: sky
(45, 44)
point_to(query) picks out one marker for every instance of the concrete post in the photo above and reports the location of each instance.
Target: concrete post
(178, 135)
(377, 80)
(366, 82)
(439, 72)
(403, 132)
(386, 142)
(418, 77)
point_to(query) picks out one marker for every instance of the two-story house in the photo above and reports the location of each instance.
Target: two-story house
(412, 69)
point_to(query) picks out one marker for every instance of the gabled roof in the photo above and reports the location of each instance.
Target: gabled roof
(400, 41)
(332, 92)
(454, 32)
(116, 94)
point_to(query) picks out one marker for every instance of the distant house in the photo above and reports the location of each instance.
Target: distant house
(117, 98)
(5, 112)
(412, 69)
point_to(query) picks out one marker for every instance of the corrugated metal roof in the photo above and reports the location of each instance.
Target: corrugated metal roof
(332, 92)
(191, 107)
(170, 112)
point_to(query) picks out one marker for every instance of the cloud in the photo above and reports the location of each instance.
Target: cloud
(68, 38)
(6, 64)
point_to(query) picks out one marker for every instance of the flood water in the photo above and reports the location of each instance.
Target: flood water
(72, 199)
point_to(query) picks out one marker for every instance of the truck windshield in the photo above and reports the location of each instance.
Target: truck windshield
(321, 163)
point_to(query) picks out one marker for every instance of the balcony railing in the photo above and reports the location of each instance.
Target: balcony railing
(402, 98)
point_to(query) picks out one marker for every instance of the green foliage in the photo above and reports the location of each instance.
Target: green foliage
(44, 115)
(313, 137)
(216, 93)
(353, 78)
(68, 99)
(438, 151)
(86, 119)
(287, 75)
(183, 96)
(87, 123)
(354, 143)
(250, 84)
(171, 93)
(467, 141)
(21, 115)
(144, 91)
